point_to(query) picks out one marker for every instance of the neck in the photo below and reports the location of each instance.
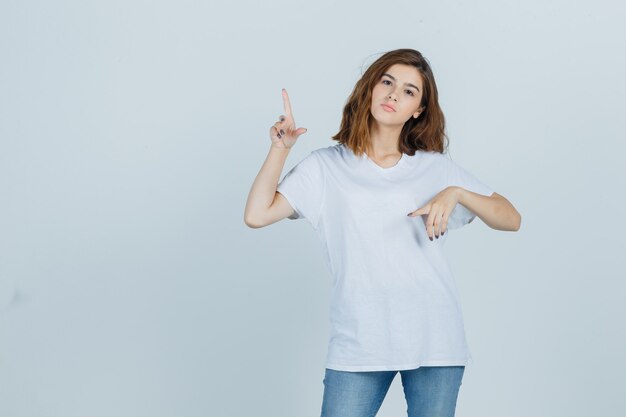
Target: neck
(384, 141)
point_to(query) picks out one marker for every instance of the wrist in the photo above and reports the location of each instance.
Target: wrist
(460, 194)
(276, 148)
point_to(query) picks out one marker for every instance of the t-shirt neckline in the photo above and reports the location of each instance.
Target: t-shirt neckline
(387, 169)
(364, 161)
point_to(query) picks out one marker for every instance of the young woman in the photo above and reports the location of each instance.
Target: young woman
(381, 201)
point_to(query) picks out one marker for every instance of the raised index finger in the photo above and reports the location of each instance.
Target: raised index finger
(286, 103)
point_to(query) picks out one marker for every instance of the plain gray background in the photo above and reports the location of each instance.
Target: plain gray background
(131, 133)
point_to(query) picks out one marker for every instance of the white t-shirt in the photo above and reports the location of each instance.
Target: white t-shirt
(394, 303)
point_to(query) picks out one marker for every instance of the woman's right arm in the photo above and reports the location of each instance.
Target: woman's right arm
(266, 206)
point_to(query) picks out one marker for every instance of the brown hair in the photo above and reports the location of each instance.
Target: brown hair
(424, 133)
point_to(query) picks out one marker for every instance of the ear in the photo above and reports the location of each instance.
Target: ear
(418, 112)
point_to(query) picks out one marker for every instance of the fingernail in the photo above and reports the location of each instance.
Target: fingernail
(409, 214)
(282, 132)
(431, 239)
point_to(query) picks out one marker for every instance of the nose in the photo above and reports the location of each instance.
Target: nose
(392, 95)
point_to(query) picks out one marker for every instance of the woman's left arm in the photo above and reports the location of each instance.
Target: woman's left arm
(496, 211)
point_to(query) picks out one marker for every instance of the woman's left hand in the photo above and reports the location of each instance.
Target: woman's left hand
(438, 209)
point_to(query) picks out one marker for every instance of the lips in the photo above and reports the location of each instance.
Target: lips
(388, 106)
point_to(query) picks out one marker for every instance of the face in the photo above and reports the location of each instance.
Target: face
(401, 87)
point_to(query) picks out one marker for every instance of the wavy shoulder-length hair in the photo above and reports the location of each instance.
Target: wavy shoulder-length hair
(426, 132)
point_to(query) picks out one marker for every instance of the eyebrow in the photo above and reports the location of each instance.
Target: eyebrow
(409, 84)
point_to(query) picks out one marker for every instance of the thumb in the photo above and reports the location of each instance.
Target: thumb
(419, 212)
(300, 131)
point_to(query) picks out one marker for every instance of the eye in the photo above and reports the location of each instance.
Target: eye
(410, 92)
(384, 81)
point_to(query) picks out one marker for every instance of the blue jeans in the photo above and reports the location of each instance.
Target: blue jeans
(430, 391)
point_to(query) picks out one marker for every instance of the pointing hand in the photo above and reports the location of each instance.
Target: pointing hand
(284, 133)
(438, 210)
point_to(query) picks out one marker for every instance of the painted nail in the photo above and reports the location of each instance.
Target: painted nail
(282, 132)
(431, 239)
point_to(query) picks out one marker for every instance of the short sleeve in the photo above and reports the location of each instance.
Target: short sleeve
(460, 177)
(303, 187)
